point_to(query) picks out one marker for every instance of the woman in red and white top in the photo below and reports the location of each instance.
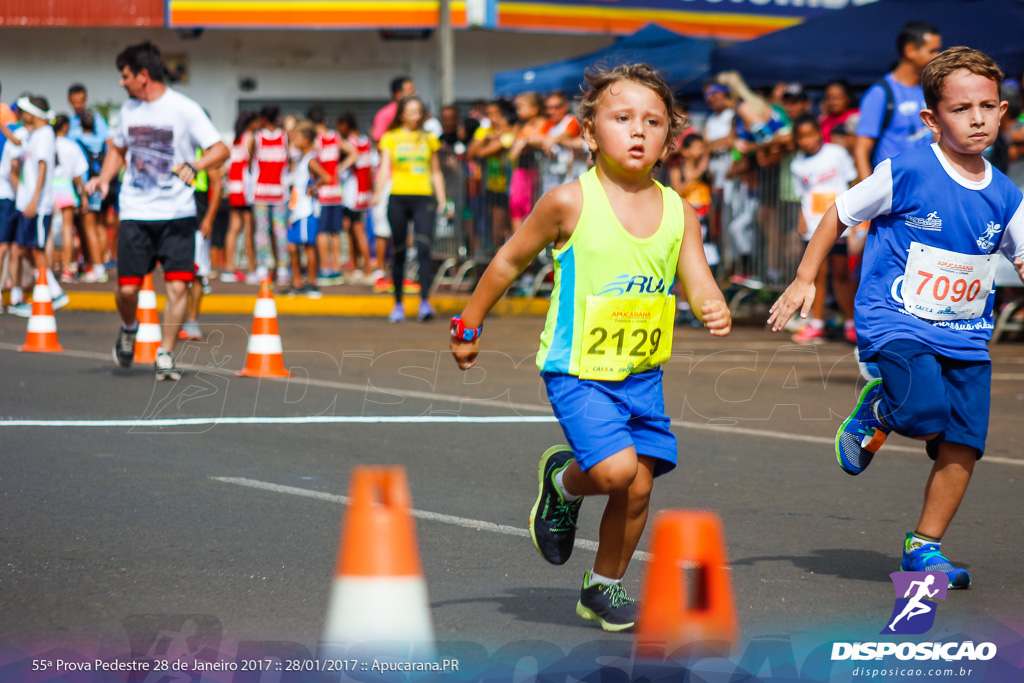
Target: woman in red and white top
(240, 199)
(268, 152)
(357, 195)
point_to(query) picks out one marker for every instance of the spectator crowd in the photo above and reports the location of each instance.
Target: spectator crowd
(314, 202)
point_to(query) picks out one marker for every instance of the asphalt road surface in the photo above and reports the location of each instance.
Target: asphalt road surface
(209, 510)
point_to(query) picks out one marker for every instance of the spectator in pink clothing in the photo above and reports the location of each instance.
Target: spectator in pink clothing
(401, 86)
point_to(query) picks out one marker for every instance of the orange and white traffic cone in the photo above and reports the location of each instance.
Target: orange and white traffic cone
(42, 326)
(675, 622)
(264, 354)
(379, 594)
(150, 334)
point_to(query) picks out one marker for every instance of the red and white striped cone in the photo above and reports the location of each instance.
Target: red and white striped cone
(42, 326)
(150, 335)
(265, 354)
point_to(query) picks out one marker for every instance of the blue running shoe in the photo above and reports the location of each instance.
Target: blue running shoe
(928, 558)
(862, 434)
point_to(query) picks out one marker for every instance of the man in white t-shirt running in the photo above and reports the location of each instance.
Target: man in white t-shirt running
(156, 137)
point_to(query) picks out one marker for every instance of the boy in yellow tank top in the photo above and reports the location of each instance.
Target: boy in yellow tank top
(620, 240)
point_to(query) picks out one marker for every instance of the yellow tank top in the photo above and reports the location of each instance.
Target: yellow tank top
(610, 311)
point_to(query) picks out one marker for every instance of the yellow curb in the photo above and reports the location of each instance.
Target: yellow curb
(368, 306)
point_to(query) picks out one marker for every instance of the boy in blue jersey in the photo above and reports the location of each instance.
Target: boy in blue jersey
(924, 308)
(620, 240)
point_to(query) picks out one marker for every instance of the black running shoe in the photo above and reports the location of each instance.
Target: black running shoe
(552, 519)
(609, 606)
(124, 347)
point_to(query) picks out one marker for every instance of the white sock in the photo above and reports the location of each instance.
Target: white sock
(603, 580)
(17, 296)
(848, 324)
(817, 323)
(130, 328)
(566, 496)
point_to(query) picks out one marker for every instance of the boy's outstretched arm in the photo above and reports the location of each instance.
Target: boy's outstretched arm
(545, 224)
(706, 299)
(800, 294)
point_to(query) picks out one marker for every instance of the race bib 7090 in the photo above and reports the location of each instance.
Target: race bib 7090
(946, 285)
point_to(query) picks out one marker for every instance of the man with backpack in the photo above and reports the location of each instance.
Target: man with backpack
(890, 121)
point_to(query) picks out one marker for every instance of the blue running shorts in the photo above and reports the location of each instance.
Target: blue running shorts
(600, 418)
(332, 218)
(8, 221)
(304, 230)
(32, 232)
(927, 393)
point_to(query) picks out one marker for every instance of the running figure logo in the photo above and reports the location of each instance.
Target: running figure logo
(914, 612)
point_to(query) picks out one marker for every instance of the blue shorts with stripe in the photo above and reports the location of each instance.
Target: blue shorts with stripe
(304, 230)
(601, 418)
(32, 232)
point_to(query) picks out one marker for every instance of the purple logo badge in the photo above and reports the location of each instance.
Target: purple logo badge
(916, 593)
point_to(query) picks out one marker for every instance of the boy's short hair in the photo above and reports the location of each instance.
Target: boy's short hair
(600, 78)
(805, 119)
(76, 89)
(913, 33)
(142, 56)
(934, 76)
(60, 121)
(88, 121)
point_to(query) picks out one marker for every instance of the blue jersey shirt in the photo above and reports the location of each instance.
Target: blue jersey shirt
(918, 197)
(905, 132)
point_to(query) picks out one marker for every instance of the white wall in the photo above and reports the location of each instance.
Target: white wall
(351, 65)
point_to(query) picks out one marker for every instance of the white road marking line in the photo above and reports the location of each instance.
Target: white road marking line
(440, 419)
(418, 514)
(424, 419)
(297, 419)
(329, 384)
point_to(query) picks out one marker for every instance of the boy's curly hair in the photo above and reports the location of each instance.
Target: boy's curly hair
(600, 77)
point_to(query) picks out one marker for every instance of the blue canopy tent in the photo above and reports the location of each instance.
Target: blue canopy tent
(859, 43)
(686, 61)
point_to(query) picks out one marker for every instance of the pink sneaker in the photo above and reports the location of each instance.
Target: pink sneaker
(809, 335)
(851, 334)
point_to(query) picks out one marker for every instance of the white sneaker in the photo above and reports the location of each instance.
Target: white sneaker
(165, 366)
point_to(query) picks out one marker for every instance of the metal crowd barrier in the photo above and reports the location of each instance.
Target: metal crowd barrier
(759, 242)
(479, 188)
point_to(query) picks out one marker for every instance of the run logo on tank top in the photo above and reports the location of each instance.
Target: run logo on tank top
(271, 162)
(328, 154)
